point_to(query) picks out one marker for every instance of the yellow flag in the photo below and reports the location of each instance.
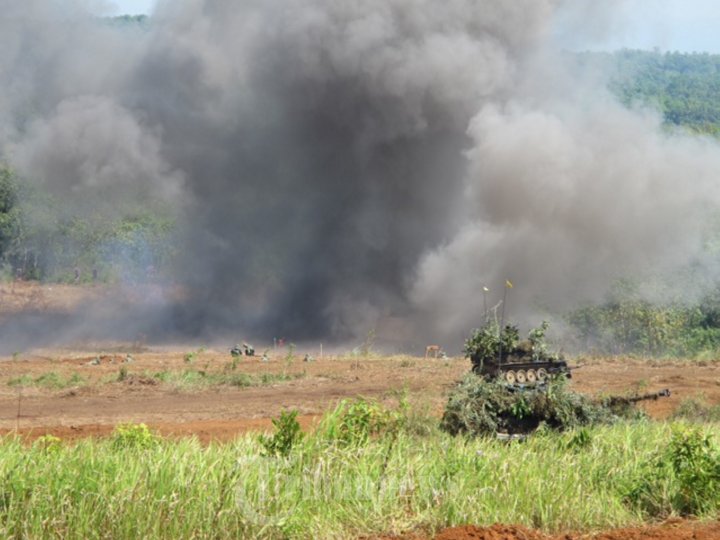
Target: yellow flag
(486, 289)
(508, 284)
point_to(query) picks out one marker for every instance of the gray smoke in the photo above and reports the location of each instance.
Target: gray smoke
(340, 165)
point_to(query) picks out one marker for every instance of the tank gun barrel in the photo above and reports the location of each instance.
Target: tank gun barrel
(623, 400)
(564, 369)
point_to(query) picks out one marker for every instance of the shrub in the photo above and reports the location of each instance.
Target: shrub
(683, 477)
(360, 420)
(287, 435)
(698, 410)
(49, 444)
(136, 436)
(122, 374)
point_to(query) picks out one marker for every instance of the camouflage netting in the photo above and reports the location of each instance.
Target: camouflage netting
(479, 407)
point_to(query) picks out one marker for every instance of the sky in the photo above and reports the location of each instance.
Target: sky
(134, 7)
(669, 25)
(684, 25)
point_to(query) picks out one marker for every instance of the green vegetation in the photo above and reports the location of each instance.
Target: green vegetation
(327, 484)
(683, 477)
(186, 380)
(489, 342)
(627, 323)
(287, 434)
(40, 240)
(51, 380)
(697, 410)
(480, 407)
(129, 21)
(682, 86)
(134, 436)
(196, 378)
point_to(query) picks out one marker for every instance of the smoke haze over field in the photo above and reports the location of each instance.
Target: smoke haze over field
(337, 164)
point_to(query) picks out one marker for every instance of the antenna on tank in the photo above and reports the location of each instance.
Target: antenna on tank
(508, 285)
(485, 309)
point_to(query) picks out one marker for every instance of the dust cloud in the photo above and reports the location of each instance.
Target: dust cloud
(342, 166)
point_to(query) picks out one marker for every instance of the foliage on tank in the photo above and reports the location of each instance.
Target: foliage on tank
(479, 407)
(488, 342)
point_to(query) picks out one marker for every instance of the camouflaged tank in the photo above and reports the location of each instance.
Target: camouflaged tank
(502, 354)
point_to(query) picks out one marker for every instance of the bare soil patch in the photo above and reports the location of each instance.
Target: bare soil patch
(675, 529)
(101, 400)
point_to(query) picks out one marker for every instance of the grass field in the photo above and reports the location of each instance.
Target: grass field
(364, 470)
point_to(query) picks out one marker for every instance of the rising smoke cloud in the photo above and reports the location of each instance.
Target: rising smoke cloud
(340, 165)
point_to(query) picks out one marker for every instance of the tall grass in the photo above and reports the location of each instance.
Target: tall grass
(137, 486)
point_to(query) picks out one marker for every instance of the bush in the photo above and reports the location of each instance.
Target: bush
(135, 436)
(49, 444)
(697, 410)
(287, 435)
(360, 420)
(683, 477)
(356, 423)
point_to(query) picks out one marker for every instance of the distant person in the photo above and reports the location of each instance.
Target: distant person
(77, 275)
(95, 274)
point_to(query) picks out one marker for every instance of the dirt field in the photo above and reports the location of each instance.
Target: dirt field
(98, 399)
(670, 530)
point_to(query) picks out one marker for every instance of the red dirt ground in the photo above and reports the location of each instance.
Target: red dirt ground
(221, 413)
(676, 529)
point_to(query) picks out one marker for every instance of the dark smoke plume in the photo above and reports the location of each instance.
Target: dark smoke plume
(340, 165)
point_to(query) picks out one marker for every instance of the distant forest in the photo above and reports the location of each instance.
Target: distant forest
(685, 87)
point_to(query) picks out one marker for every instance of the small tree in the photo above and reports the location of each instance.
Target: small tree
(287, 434)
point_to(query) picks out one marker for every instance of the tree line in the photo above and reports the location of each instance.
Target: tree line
(684, 87)
(39, 241)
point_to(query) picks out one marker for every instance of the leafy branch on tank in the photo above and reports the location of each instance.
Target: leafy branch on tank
(496, 353)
